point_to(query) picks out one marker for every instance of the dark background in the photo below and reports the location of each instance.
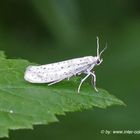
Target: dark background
(45, 31)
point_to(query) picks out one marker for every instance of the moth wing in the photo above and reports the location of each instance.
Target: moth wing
(55, 71)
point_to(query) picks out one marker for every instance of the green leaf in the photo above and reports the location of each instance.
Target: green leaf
(23, 104)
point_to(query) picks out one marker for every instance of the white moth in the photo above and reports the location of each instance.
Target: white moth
(56, 72)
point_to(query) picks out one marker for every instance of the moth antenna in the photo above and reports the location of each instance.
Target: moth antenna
(103, 49)
(97, 46)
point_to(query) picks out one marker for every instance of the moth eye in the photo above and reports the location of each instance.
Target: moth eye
(98, 61)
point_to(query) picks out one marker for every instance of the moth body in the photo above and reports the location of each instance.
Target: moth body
(59, 70)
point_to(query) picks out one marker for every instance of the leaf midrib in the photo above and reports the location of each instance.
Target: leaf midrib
(25, 87)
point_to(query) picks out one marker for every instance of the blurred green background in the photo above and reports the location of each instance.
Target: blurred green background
(45, 31)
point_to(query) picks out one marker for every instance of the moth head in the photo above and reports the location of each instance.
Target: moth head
(99, 59)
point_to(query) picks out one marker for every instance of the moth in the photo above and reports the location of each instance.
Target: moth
(56, 72)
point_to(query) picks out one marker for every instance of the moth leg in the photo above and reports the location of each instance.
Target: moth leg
(83, 81)
(55, 82)
(94, 80)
